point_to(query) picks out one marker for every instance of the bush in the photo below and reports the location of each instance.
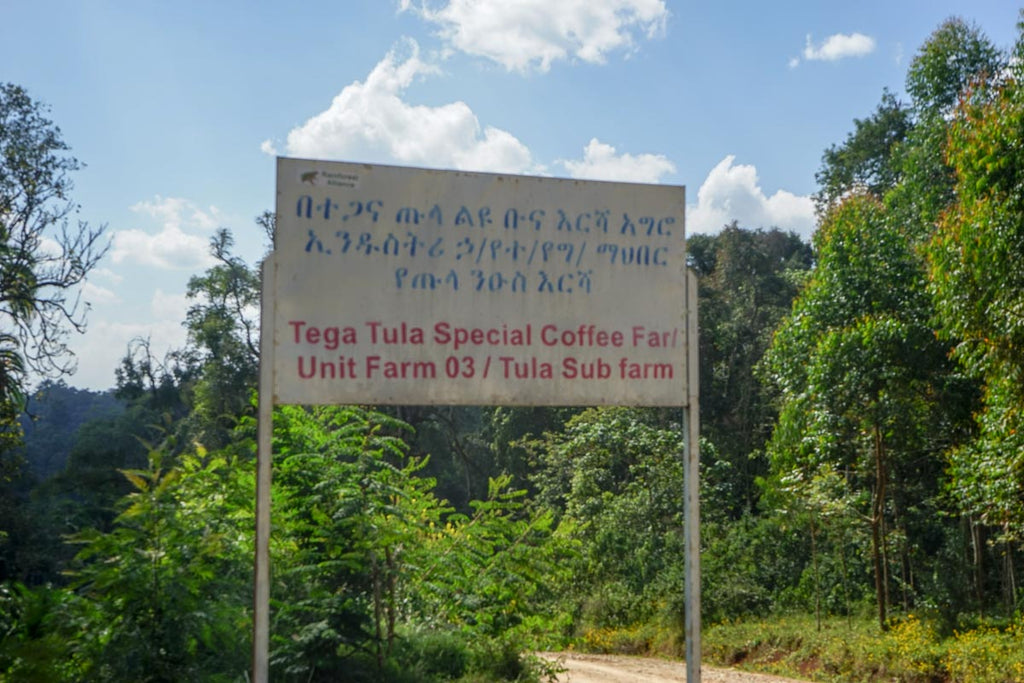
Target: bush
(440, 655)
(987, 655)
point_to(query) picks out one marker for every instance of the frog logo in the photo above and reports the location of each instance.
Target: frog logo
(309, 177)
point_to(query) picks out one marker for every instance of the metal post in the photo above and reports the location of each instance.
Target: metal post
(691, 483)
(265, 430)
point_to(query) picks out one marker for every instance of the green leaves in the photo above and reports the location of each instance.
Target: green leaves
(617, 479)
(978, 286)
(861, 373)
(171, 579)
(867, 160)
(38, 288)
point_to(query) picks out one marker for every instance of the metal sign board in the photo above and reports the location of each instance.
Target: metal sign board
(393, 285)
(411, 286)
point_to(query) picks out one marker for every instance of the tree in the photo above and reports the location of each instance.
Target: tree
(223, 332)
(204, 387)
(43, 260)
(615, 480)
(747, 282)
(44, 256)
(979, 289)
(865, 387)
(866, 161)
(165, 589)
(955, 56)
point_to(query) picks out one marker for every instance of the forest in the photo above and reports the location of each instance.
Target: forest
(862, 451)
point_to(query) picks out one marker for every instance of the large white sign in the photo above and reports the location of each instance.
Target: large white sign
(411, 286)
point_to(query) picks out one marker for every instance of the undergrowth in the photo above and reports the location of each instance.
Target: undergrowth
(913, 648)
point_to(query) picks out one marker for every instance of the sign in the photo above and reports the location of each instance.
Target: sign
(412, 286)
(393, 285)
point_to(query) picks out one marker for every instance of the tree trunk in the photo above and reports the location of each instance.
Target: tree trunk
(877, 546)
(1010, 580)
(817, 579)
(978, 557)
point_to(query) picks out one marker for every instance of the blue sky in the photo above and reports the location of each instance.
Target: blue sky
(179, 108)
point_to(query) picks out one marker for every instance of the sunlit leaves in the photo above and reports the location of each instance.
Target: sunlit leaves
(978, 285)
(861, 373)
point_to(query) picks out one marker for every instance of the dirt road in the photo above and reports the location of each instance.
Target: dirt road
(585, 668)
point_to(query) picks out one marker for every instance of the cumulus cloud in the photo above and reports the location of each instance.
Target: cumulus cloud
(268, 147)
(169, 306)
(108, 275)
(94, 294)
(102, 348)
(732, 192)
(369, 121)
(601, 162)
(181, 240)
(525, 34)
(835, 47)
(100, 351)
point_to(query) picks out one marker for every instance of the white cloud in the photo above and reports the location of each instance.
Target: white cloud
(525, 34)
(732, 192)
(839, 46)
(176, 245)
(100, 351)
(268, 147)
(108, 275)
(49, 247)
(369, 121)
(180, 212)
(169, 306)
(601, 162)
(94, 294)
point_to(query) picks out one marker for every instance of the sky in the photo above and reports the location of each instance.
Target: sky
(178, 109)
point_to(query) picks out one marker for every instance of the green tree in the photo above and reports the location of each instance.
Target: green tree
(979, 290)
(44, 258)
(615, 477)
(955, 56)
(166, 589)
(201, 390)
(867, 160)
(865, 386)
(223, 334)
(747, 282)
(365, 552)
(39, 297)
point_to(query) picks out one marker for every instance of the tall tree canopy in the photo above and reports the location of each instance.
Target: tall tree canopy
(978, 283)
(866, 161)
(44, 254)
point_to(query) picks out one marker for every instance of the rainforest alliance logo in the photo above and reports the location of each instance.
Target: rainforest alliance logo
(320, 178)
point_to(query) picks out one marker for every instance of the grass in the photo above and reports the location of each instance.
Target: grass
(912, 649)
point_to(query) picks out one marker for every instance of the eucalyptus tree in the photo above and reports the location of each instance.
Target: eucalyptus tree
(866, 388)
(862, 378)
(866, 161)
(978, 286)
(747, 282)
(956, 56)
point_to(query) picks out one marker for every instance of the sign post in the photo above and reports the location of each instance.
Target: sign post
(691, 482)
(264, 433)
(393, 285)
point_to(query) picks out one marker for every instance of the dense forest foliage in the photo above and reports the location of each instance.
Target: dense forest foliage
(862, 454)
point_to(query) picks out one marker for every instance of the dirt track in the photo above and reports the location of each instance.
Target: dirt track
(586, 668)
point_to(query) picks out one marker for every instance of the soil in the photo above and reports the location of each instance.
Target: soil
(588, 668)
